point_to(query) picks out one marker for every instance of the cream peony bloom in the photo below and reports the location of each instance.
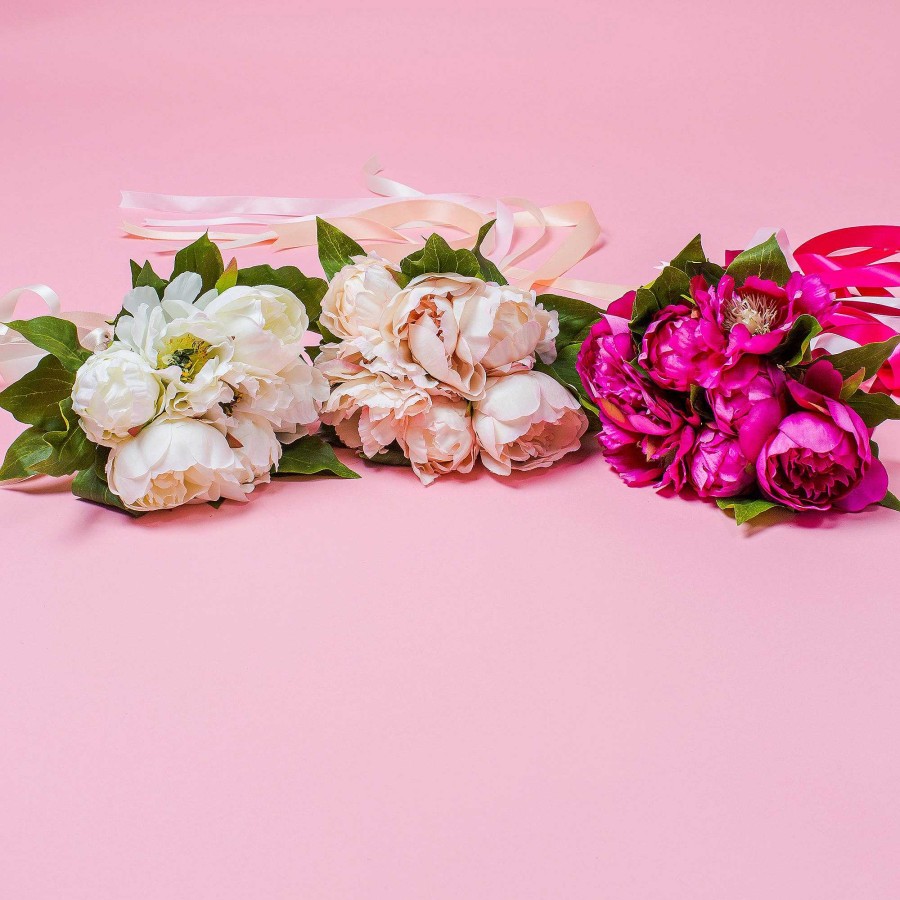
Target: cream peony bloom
(521, 328)
(440, 440)
(173, 462)
(440, 326)
(356, 298)
(115, 392)
(370, 412)
(255, 446)
(527, 421)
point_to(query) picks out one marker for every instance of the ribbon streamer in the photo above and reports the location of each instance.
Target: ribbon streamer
(380, 222)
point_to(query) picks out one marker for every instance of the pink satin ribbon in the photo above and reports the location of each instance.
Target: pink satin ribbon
(522, 233)
(859, 264)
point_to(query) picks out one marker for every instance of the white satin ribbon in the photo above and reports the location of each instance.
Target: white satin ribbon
(19, 356)
(523, 229)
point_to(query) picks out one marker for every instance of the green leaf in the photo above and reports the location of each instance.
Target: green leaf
(27, 450)
(765, 260)
(671, 287)
(34, 399)
(489, 270)
(390, 456)
(146, 277)
(851, 384)
(312, 456)
(336, 249)
(870, 357)
(874, 408)
(891, 502)
(564, 370)
(467, 264)
(646, 306)
(202, 257)
(310, 291)
(229, 277)
(745, 508)
(437, 257)
(795, 347)
(692, 261)
(58, 337)
(90, 484)
(575, 317)
(70, 449)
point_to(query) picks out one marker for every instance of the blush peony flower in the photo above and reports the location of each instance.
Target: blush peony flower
(369, 412)
(821, 456)
(439, 440)
(176, 461)
(758, 315)
(718, 466)
(682, 347)
(521, 327)
(440, 326)
(527, 421)
(356, 298)
(645, 437)
(115, 392)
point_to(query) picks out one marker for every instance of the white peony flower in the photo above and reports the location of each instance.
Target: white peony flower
(267, 324)
(291, 400)
(255, 446)
(115, 392)
(356, 298)
(440, 440)
(176, 461)
(526, 421)
(370, 412)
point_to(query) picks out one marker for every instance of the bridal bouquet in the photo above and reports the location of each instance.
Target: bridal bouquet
(438, 362)
(712, 380)
(200, 389)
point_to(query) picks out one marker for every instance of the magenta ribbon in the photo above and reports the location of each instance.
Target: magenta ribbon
(861, 258)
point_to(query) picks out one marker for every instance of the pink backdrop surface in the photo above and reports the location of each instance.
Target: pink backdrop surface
(547, 687)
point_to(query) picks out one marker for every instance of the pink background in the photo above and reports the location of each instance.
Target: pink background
(548, 687)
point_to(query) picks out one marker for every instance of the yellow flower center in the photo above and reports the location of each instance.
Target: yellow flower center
(186, 351)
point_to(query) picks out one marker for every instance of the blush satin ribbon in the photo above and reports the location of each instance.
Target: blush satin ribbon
(522, 230)
(861, 266)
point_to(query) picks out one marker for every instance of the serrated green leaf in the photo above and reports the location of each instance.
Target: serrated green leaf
(745, 508)
(874, 408)
(34, 399)
(869, 357)
(90, 484)
(467, 264)
(27, 450)
(765, 260)
(575, 317)
(202, 257)
(229, 277)
(58, 337)
(310, 291)
(70, 449)
(890, 502)
(146, 277)
(795, 347)
(336, 249)
(312, 456)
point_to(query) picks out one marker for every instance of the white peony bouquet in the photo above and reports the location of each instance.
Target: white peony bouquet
(441, 361)
(200, 389)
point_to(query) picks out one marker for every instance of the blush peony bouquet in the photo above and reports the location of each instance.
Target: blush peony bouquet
(440, 362)
(711, 380)
(199, 390)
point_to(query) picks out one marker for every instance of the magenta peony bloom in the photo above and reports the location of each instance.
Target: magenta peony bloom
(683, 347)
(645, 437)
(821, 457)
(718, 466)
(758, 315)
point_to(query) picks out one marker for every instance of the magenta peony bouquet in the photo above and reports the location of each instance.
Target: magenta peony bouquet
(709, 380)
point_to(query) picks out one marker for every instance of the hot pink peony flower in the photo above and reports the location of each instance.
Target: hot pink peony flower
(683, 347)
(645, 437)
(758, 315)
(718, 466)
(821, 457)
